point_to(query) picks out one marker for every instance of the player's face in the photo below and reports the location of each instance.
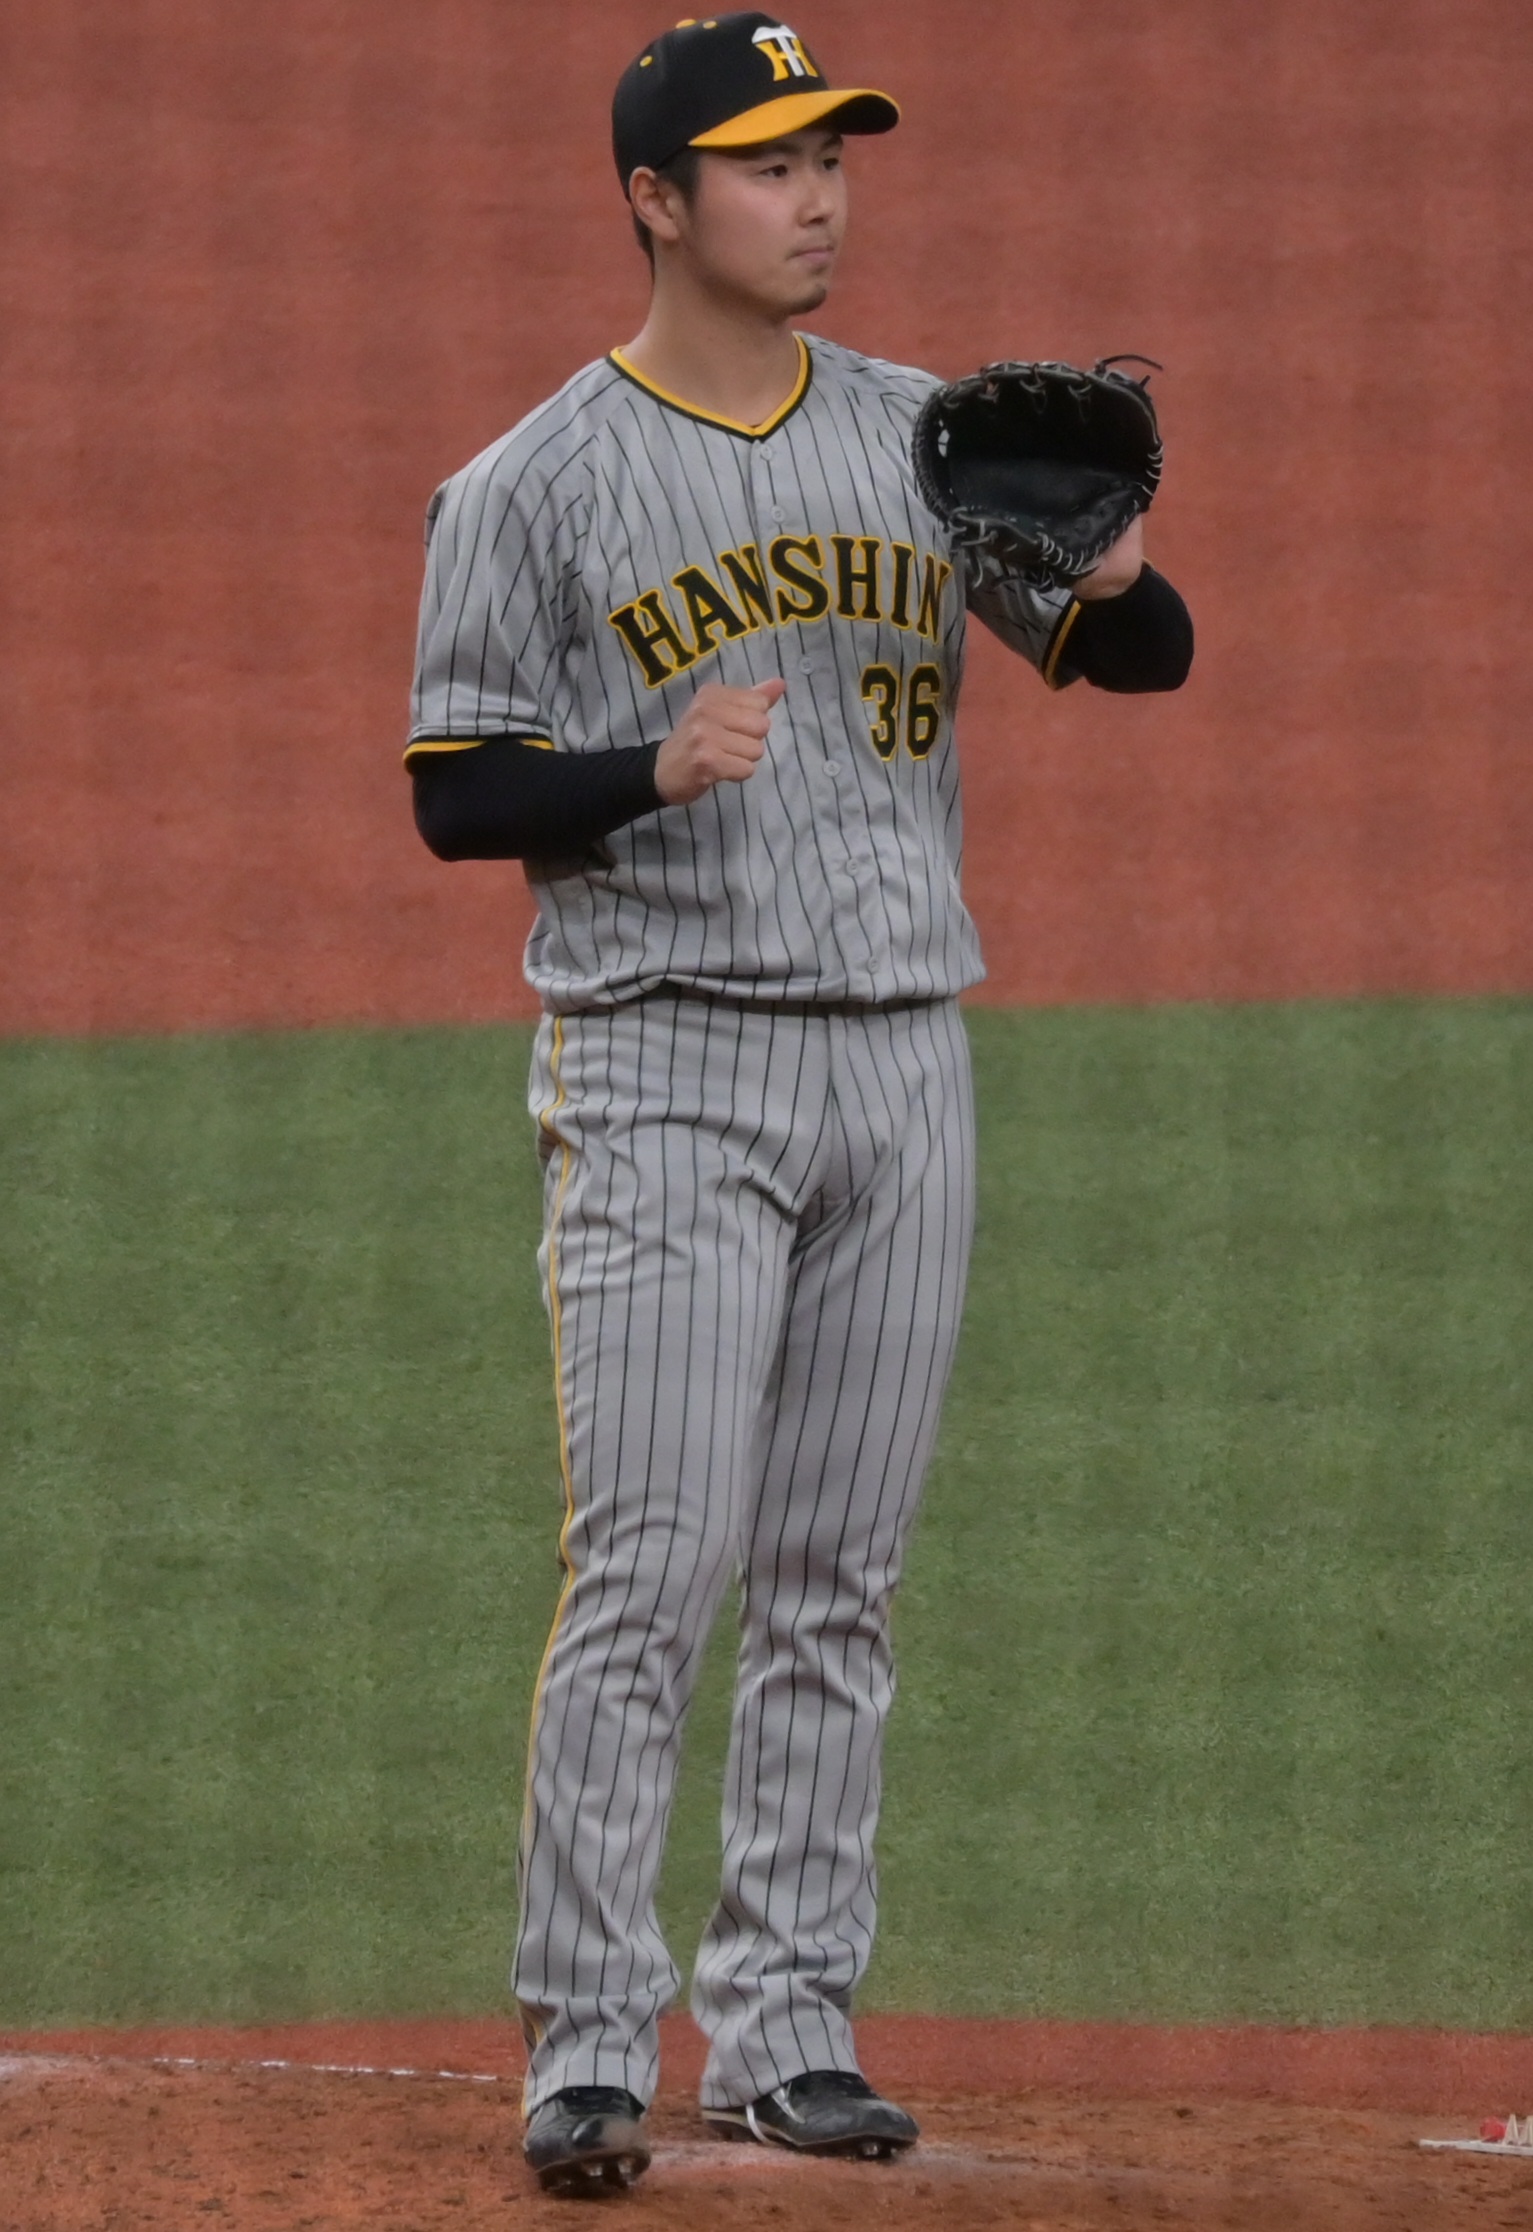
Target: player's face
(766, 223)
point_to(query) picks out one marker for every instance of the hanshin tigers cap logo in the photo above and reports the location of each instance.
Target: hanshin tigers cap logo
(730, 81)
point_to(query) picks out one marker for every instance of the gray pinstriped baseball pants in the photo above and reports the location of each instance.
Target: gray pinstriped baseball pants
(756, 1243)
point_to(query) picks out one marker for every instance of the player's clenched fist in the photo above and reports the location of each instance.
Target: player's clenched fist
(718, 739)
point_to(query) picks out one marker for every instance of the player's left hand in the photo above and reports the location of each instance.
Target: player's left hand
(1118, 569)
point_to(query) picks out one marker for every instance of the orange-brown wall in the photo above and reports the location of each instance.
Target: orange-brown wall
(269, 271)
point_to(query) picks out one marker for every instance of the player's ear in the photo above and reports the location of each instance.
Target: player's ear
(657, 203)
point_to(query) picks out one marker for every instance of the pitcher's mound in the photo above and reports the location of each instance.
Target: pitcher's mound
(114, 2146)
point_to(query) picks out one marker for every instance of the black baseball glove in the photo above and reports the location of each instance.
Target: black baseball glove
(1037, 469)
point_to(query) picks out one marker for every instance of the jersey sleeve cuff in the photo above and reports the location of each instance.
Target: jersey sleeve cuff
(420, 745)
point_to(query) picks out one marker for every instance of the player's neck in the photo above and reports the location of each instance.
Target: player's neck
(718, 355)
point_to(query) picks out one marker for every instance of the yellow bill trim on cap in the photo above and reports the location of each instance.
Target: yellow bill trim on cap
(795, 112)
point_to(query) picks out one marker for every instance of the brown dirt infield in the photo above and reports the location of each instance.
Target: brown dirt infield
(268, 273)
(1046, 2126)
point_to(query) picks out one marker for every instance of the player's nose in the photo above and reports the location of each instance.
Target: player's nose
(818, 202)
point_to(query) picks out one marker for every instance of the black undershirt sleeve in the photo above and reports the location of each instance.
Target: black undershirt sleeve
(506, 799)
(1139, 641)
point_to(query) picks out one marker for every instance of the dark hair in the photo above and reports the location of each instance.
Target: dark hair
(682, 170)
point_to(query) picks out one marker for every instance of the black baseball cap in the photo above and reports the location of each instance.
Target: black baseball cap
(729, 81)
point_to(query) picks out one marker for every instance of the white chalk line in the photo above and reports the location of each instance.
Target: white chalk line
(36, 2064)
(1477, 2146)
(335, 2069)
(16, 2066)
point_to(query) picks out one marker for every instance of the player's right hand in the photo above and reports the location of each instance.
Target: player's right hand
(719, 739)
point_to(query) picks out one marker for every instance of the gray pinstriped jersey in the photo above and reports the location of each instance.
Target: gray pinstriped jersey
(591, 570)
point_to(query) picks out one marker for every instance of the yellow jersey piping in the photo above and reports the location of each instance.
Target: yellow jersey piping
(533, 2026)
(472, 744)
(555, 1317)
(1072, 613)
(715, 418)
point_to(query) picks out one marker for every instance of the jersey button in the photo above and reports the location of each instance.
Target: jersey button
(806, 666)
(778, 514)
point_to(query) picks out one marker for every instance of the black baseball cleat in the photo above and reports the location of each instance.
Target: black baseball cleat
(585, 2142)
(824, 2112)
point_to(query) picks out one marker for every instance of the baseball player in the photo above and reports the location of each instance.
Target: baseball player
(690, 648)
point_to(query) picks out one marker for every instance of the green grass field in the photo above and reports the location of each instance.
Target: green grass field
(1217, 1643)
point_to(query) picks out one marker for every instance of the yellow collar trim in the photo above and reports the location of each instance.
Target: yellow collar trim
(715, 418)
